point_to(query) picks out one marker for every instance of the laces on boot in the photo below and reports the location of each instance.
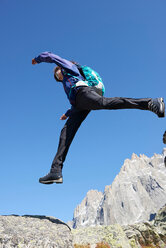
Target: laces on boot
(153, 107)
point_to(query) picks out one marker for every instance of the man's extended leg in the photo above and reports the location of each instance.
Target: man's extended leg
(87, 98)
(67, 134)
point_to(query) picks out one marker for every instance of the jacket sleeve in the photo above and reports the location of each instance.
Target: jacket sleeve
(69, 111)
(49, 57)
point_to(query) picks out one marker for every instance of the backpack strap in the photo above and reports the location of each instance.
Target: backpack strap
(81, 83)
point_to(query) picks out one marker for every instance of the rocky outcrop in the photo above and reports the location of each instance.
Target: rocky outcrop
(147, 235)
(33, 232)
(136, 194)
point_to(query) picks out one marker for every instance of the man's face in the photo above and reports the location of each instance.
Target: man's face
(59, 74)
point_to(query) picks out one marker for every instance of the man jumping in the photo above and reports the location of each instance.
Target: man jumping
(83, 99)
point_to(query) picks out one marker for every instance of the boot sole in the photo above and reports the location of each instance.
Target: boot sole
(60, 180)
(162, 108)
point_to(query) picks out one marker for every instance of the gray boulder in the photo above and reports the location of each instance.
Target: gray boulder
(33, 232)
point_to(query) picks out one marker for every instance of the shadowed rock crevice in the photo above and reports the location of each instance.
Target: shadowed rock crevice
(43, 217)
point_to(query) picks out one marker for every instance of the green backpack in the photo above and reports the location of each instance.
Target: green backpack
(93, 79)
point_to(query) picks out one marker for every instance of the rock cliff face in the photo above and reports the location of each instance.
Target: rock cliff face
(88, 209)
(136, 194)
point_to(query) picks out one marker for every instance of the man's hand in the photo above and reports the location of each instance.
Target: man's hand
(34, 62)
(63, 117)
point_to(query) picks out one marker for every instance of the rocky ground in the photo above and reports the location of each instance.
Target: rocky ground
(49, 232)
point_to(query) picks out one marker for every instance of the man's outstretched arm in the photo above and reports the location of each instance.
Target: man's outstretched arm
(49, 57)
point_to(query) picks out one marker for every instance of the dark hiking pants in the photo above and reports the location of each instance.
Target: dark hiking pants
(86, 100)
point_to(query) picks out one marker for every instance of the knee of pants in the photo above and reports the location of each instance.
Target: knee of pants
(104, 102)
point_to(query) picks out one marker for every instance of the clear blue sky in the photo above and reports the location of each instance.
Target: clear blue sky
(125, 41)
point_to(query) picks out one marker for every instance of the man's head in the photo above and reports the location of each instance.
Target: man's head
(58, 74)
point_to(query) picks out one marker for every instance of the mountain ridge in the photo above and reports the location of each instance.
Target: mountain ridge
(136, 194)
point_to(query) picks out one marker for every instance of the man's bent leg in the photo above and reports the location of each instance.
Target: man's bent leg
(67, 134)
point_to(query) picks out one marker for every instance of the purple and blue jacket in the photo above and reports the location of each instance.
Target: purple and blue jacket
(71, 75)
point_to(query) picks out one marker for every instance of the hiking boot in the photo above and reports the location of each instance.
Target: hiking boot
(157, 106)
(52, 177)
